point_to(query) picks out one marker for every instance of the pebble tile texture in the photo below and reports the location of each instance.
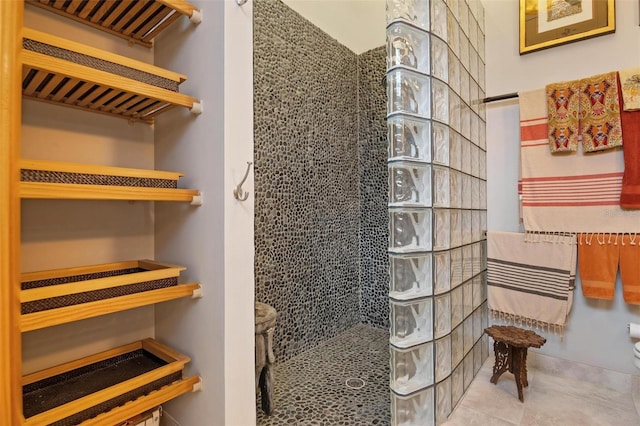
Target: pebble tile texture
(311, 389)
(311, 219)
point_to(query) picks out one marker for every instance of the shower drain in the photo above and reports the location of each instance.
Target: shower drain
(355, 383)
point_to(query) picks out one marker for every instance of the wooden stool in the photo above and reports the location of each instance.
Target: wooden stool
(510, 347)
(265, 324)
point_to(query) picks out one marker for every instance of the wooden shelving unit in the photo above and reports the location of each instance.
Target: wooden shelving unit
(68, 73)
(51, 69)
(136, 21)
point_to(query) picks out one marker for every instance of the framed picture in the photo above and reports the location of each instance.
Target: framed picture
(548, 23)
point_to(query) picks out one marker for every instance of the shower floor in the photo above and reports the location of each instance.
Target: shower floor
(311, 388)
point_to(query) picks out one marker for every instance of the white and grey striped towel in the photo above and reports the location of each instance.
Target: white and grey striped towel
(531, 282)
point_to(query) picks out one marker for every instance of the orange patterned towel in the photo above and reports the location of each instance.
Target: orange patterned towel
(586, 110)
(562, 107)
(600, 112)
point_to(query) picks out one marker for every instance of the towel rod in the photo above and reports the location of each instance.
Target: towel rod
(499, 97)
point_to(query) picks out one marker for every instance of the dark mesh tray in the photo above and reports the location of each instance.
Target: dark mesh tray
(58, 390)
(90, 296)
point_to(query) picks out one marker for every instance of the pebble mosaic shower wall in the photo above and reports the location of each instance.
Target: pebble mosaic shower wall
(321, 223)
(437, 204)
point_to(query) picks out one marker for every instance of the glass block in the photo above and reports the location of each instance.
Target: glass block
(464, 50)
(482, 136)
(416, 409)
(408, 92)
(440, 59)
(454, 110)
(442, 324)
(473, 33)
(441, 187)
(407, 47)
(475, 194)
(455, 151)
(415, 12)
(482, 108)
(475, 158)
(457, 308)
(468, 334)
(474, 96)
(484, 343)
(476, 263)
(443, 358)
(484, 291)
(467, 263)
(454, 72)
(485, 309)
(453, 6)
(457, 345)
(443, 400)
(411, 369)
(477, 358)
(464, 86)
(410, 322)
(463, 16)
(455, 192)
(473, 137)
(440, 101)
(467, 298)
(409, 139)
(482, 192)
(482, 163)
(443, 269)
(409, 184)
(410, 230)
(477, 291)
(439, 18)
(410, 276)
(453, 31)
(468, 370)
(473, 66)
(477, 325)
(456, 227)
(466, 226)
(465, 122)
(481, 46)
(457, 385)
(467, 190)
(441, 229)
(476, 232)
(440, 144)
(466, 158)
(483, 228)
(481, 74)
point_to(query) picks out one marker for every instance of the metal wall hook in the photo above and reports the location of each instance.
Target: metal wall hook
(238, 192)
(240, 2)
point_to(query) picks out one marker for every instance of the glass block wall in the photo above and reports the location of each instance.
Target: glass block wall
(437, 204)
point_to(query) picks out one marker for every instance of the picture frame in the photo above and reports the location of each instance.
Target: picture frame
(549, 23)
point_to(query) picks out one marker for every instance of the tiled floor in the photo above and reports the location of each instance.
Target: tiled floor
(559, 393)
(311, 388)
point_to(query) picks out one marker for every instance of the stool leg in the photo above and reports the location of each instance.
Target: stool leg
(501, 365)
(266, 389)
(519, 370)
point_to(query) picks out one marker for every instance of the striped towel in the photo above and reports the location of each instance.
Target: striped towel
(571, 192)
(531, 282)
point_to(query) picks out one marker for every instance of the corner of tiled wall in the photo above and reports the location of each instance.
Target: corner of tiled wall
(437, 204)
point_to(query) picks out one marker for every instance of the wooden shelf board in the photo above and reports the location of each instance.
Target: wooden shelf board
(43, 319)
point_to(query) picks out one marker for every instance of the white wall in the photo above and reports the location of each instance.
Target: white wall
(596, 332)
(357, 24)
(215, 240)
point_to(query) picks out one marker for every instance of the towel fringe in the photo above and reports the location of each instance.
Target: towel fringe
(519, 320)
